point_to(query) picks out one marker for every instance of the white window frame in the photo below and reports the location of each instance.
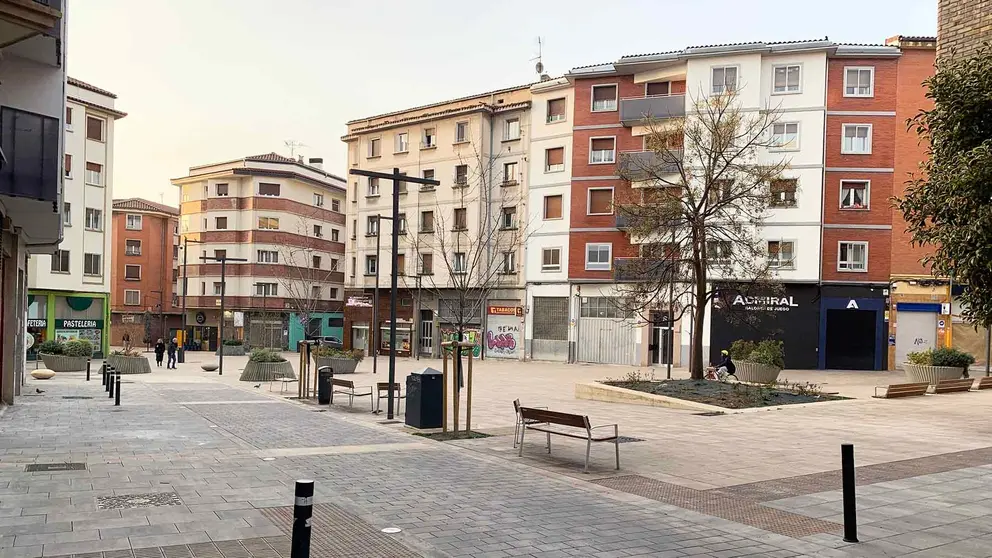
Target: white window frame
(66, 214)
(126, 278)
(99, 272)
(511, 178)
(668, 81)
(97, 216)
(133, 222)
(598, 266)
(871, 82)
(68, 261)
(852, 242)
(589, 200)
(267, 256)
(258, 190)
(720, 261)
(791, 264)
(402, 223)
(103, 128)
(318, 231)
(370, 154)
(67, 168)
(465, 135)
(267, 220)
(509, 262)
(372, 187)
(616, 97)
(335, 205)
(225, 194)
(843, 137)
(371, 269)
(547, 166)
(216, 223)
(786, 90)
(782, 147)
(128, 251)
(867, 183)
(737, 78)
(318, 199)
(371, 225)
(604, 162)
(547, 111)
(513, 217)
(551, 268)
(507, 135)
(136, 292)
(401, 142)
(424, 144)
(92, 177)
(459, 263)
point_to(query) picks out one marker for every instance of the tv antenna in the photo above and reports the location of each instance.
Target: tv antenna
(539, 67)
(293, 145)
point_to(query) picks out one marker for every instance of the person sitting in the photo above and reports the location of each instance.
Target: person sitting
(724, 369)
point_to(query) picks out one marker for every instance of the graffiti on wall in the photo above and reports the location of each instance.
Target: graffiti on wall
(504, 332)
(473, 336)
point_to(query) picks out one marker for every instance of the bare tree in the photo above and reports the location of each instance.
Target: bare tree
(702, 193)
(306, 269)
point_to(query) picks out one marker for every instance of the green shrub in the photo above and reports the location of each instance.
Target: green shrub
(233, 342)
(265, 355)
(768, 352)
(51, 347)
(949, 356)
(126, 353)
(78, 348)
(331, 352)
(920, 358)
(741, 349)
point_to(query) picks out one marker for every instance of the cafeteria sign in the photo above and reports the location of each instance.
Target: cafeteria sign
(359, 302)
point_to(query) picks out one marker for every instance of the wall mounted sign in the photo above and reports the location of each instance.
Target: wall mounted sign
(35, 322)
(766, 303)
(78, 324)
(359, 302)
(201, 318)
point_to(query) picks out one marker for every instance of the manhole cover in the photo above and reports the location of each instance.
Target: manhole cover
(76, 397)
(628, 439)
(48, 467)
(710, 414)
(127, 501)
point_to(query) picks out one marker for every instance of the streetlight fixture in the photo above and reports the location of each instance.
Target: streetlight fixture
(397, 179)
(223, 288)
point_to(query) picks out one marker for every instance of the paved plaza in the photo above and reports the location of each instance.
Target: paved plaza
(197, 465)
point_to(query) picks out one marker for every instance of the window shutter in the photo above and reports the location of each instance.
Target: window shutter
(604, 93)
(556, 156)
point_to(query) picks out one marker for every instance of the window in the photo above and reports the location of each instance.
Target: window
(461, 175)
(720, 191)
(724, 79)
(67, 214)
(354, 228)
(458, 263)
(600, 307)
(781, 254)
(222, 189)
(316, 262)
(220, 255)
(315, 292)
(67, 165)
(402, 223)
(461, 219)
(220, 223)
(132, 272)
(267, 256)
(318, 231)
(92, 264)
(372, 225)
(94, 174)
(783, 193)
(658, 88)
(334, 293)
(429, 175)
(318, 199)
(335, 235)
(268, 189)
(852, 256)
(509, 173)
(400, 264)
(203, 287)
(132, 247)
(370, 265)
(787, 78)
(133, 223)
(551, 259)
(402, 142)
(598, 256)
(60, 261)
(375, 147)
(859, 82)
(461, 132)
(266, 289)
(554, 159)
(132, 298)
(430, 138)
(68, 118)
(857, 139)
(600, 201)
(268, 223)
(94, 219)
(94, 128)
(184, 221)
(556, 110)
(552, 207)
(426, 221)
(511, 129)
(426, 264)
(854, 194)
(373, 187)
(508, 218)
(785, 136)
(334, 264)
(604, 98)
(602, 150)
(219, 288)
(509, 262)
(354, 267)
(336, 205)
(401, 184)
(719, 251)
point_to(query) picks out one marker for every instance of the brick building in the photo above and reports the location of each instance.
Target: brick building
(963, 25)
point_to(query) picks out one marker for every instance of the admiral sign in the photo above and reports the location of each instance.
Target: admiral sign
(764, 303)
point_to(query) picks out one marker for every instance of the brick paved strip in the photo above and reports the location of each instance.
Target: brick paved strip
(339, 534)
(272, 547)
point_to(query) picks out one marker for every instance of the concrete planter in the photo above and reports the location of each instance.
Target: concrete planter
(755, 373)
(130, 364)
(267, 371)
(338, 365)
(917, 373)
(62, 363)
(231, 350)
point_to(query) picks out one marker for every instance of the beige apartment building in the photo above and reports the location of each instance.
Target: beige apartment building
(286, 218)
(460, 243)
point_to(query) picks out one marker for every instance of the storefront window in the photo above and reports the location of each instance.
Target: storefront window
(37, 306)
(402, 339)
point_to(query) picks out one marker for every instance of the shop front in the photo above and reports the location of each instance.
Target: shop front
(37, 329)
(504, 332)
(404, 336)
(65, 316)
(852, 328)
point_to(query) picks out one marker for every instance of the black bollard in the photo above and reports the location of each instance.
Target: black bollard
(302, 512)
(104, 374)
(87, 370)
(850, 506)
(117, 394)
(110, 382)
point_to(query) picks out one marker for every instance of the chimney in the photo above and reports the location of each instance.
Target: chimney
(317, 162)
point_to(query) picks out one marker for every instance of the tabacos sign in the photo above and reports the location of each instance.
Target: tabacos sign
(767, 303)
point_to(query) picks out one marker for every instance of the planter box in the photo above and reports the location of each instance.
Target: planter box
(231, 350)
(130, 364)
(916, 373)
(338, 365)
(62, 363)
(267, 371)
(755, 373)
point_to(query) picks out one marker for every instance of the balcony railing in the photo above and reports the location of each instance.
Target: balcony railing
(643, 165)
(642, 269)
(30, 143)
(636, 110)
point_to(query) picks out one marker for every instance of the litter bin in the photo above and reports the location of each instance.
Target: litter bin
(424, 391)
(324, 375)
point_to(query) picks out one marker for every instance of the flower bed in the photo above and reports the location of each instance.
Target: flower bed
(267, 371)
(725, 394)
(129, 364)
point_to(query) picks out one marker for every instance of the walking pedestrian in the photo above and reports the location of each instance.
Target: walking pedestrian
(159, 352)
(173, 347)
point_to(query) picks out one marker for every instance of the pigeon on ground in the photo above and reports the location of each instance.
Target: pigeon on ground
(39, 390)
(258, 386)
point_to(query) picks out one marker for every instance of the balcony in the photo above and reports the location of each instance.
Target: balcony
(644, 165)
(28, 17)
(636, 110)
(642, 269)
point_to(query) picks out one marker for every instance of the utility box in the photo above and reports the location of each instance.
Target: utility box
(424, 395)
(324, 375)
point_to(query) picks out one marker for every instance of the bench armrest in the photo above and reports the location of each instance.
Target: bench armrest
(615, 426)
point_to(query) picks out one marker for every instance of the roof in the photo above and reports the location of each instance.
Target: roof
(139, 204)
(83, 85)
(108, 110)
(459, 99)
(273, 157)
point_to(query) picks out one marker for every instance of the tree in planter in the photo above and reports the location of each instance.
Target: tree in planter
(706, 186)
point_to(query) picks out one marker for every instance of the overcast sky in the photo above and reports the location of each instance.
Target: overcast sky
(211, 80)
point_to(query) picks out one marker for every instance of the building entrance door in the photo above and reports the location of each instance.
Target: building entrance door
(426, 332)
(360, 339)
(850, 339)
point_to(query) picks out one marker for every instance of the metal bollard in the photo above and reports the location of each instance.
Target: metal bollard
(103, 372)
(117, 394)
(88, 369)
(302, 514)
(110, 382)
(850, 506)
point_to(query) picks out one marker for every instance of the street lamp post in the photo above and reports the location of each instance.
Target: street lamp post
(185, 247)
(265, 324)
(223, 288)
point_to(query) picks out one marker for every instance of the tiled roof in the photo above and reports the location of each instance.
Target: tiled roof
(458, 100)
(271, 157)
(108, 110)
(750, 43)
(83, 85)
(139, 204)
(915, 38)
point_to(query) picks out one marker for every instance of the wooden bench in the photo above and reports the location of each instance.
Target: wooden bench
(951, 386)
(902, 390)
(984, 383)
(347, 387)
(554, 422)
(384, 387)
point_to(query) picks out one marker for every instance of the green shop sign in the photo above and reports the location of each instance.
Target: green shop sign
(78, 324)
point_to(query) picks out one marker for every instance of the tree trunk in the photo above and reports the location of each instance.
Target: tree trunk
(698, 317)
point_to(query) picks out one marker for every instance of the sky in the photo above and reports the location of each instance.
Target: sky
(207, 81)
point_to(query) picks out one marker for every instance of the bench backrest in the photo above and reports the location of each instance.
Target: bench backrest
(906, 390)
(554, 417)
(516, 406)
(960, 384)
(384, 386)
(342, 383)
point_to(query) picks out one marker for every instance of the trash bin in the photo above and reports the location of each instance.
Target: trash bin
(424, 392)
(324, 375)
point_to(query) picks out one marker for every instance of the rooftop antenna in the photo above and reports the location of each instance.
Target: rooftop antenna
(539, 67)
(293, 145)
